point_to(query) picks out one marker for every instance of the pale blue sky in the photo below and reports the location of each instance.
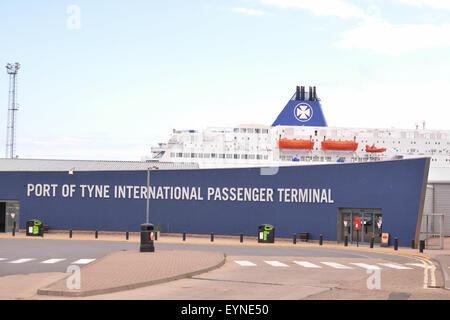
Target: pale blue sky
(134, 70)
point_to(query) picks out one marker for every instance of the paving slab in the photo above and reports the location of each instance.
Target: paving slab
(126, 270)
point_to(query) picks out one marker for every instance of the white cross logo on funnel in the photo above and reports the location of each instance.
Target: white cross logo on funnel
(303, 112)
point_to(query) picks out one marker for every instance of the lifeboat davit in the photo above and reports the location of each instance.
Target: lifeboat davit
(374, 149)
(295, 144)
(339, 145)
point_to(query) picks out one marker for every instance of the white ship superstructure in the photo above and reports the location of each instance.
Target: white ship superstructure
(300, 136)
(256, 145)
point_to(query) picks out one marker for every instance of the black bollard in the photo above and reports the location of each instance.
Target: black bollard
(371, 242)
(156, 235)
(14, 229)
(212, 237)
(413, 244)
(241, 238)
(346, 241)
(184, 236)
(421, 246)
(127, 235)
(395, 244)
(96, 234)
(294, 238)
(70, 234)
(320, 240)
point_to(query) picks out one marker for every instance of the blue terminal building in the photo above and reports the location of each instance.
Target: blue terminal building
(388, 197)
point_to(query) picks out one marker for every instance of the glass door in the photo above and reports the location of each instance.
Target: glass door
(367, 227)
(378, 224)
(371, 222)
(2, 217)
(346, 225)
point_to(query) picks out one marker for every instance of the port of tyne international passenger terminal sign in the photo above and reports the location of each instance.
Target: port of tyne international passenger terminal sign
(246, 194)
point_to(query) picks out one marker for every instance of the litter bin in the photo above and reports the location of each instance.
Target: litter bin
(304, 236)
(147, 238)
(266, 233)
(34, 228)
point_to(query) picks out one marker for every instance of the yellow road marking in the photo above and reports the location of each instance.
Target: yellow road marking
(237, 244)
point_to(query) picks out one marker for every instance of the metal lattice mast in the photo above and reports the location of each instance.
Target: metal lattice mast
(12, 70)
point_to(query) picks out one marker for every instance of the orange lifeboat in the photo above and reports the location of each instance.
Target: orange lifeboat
(339, 145)
(295, 144)
(374, 149)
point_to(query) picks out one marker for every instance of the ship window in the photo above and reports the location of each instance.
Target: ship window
(206, 155)
(213, 155)
(222, 155)
(257, 130)
(236, 130)
(179, 155)
(251, 156)
(265, 131)
(250, 130)
(186, 155)
(244, 156)
(236, 156)
(172, 154)
(193, 155)
(258, 156)
(243, 130)
(328, 159)
(200, 155)
(229, 156)
(266, 157)
(302, 158)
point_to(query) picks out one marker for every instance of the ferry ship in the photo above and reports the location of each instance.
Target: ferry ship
(300, 136)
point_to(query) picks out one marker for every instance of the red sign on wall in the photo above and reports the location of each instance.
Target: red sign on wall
(357, 225)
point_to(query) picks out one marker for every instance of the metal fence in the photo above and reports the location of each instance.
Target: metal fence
(432, 230)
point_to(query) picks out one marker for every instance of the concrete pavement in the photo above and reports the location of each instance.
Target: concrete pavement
(126, 270)
(134, 270)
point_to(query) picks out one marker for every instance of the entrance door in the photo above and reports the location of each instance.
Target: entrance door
(371, 225)
(346, 225)
(367, 226)
(377, 225)
(2, 217)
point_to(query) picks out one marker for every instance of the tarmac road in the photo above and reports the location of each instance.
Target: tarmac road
(24, 256)
(250, 271)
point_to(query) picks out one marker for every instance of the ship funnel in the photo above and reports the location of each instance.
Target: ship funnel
(302, 110)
